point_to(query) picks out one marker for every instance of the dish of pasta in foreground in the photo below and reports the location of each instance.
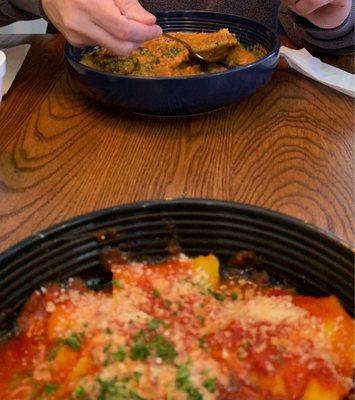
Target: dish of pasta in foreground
(166, 57)
(176, 330)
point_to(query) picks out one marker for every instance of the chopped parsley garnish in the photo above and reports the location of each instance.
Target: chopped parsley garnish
(50, 388)
(79, 392)
(155, 293)
(246, 345)
(168, 303)
(145, 51)
(119, 354)
(202, 343)
(115, 390)
(200, 319)
(234, 296)
(109, 331)
(182, 382)
(136, 376)
(107, 351)
(74, 340)
(145, 344)
(140, 351)
(107, 348)
(154, 324)
(117, 284)
(171, 52)
(193, 394)
(217, 295)
(108, 389)
(53, 353)
(164, 349)
(210, 385)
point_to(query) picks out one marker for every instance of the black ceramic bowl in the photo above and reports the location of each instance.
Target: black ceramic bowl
(182, 95)
(309, 259)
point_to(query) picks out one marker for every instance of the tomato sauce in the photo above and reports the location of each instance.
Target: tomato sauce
(176, 331)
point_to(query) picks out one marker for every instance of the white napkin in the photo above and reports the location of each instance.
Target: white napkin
(306, 64)
(15, 57)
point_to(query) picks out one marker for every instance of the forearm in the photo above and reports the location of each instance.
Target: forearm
(335, 41)
(15, 10)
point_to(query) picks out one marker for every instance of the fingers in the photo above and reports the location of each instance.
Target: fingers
(326, 14)
(329, 16)
(99, 36)
(305, 7)
(122, 28)
(114, 24)
(138, 32)
(95, 35)
(132, 9)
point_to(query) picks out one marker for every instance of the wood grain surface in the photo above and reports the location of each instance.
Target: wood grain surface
(289, 148)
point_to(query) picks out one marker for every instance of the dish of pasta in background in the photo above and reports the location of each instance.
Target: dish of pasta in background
(166, 57)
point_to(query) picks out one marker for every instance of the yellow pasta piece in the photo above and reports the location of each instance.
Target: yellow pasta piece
(65, 358)
(315, 391)
(209, 264)
(278, 386)
(81, 368)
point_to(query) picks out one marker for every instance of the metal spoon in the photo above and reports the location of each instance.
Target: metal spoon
(197, 56)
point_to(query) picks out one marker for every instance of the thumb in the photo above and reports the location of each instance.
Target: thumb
(133, 10)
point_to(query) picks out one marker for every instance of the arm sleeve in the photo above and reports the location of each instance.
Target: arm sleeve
(304, 34)
(16, 10)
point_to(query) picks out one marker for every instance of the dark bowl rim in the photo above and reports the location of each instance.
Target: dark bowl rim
(232, 205)
(274, 52)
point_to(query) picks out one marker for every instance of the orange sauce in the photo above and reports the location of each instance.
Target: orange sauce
(175, 330)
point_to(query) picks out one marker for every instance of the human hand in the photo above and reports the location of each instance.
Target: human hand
(326, 14)
(118, 25)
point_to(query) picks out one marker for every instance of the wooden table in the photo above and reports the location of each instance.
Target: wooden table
(288, 148)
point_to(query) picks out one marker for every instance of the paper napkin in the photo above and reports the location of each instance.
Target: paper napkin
(306, 64)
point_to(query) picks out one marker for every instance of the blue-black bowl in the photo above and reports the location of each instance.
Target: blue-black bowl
(312, 261)
(189, 94)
